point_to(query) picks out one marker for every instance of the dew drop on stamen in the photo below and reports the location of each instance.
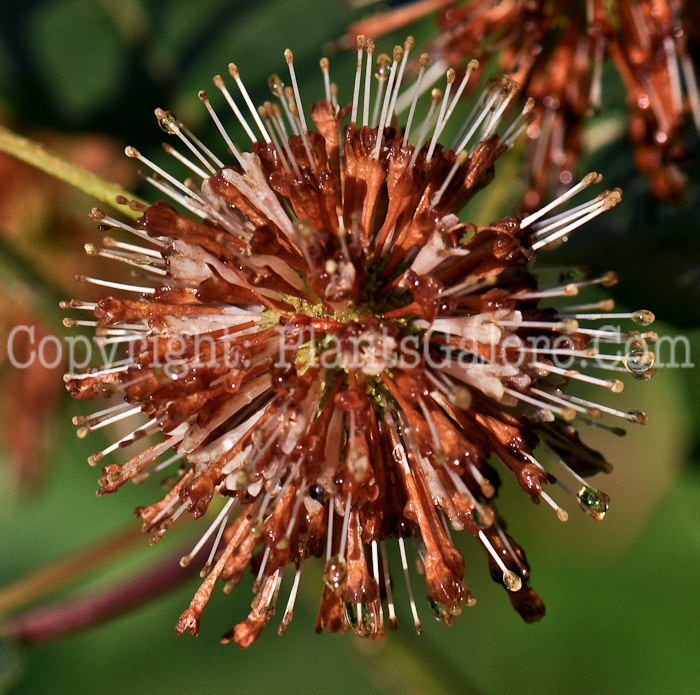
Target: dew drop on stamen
(639, 361)
(383, 67)
(276, 85)
(359, 618)
(643, 317)
(166, 121)
(512, 581)
(593, 502)
(440, 612)
(335, 573)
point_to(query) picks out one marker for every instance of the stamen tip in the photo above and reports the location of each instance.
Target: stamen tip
(616, 386)
(639, 417)
(609, 279)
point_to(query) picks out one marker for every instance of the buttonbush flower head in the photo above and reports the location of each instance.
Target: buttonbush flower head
(557, 52)
(335, 366)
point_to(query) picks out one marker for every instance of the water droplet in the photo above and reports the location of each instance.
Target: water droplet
(643, 317)
(639, 361)
(257, 527)
(276, 85)
(440, 612)
(383, 67)
(593, 502)
(483, 516)
(167, 122)
(359, 618)
(316, 492)
(335, 572)
(512, 581)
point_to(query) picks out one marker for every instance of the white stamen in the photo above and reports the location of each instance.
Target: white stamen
(178, 197)
(289, 57)
(610, 200)
(100, 217)
(416, 93)
(587, 180)
(393, 622)
(561, 513)
(83, 431)
(116, 285)
(358, 78)
(375, 574)
(346, 524)
(187, 162)
(289, 610)
(426, 125)
(164, 464)
(214, 547)
(113, 243)
(135, 154)
(326, 78)
(409, 588)
(144, 265)
(220, 126)
(614, 386)
(221, 86)
(408, 45)
(485, 109)
(398, 51)
(222, 517)
(439, 125)
(368, 82)
(125, 441)
(329, 534)
(563, 412)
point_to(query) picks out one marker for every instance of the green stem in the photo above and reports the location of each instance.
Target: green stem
(57, 166)
(67, 570)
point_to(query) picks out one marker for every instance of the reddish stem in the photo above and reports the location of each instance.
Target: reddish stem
(64, 617)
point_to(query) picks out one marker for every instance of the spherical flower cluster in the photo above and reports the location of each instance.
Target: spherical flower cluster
(334, 364)
(557, 52)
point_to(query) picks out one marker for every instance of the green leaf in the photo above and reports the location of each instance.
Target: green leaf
(82, 71)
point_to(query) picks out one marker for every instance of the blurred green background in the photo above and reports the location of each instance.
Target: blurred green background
(84, 76)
